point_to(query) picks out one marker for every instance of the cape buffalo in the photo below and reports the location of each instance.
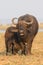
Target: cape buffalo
(13, 40)
(29, 24)
(27, 29)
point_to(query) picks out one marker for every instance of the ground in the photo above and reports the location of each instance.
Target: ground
(35, 59)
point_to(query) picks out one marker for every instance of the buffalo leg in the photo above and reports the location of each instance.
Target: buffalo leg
(22, 48)
(6, 49)
(29, 47)
(13, 50)
(6, 44)
(25, 49)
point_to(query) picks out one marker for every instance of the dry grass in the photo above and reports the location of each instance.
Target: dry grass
(35, 59)
(41, 25)
(37, 51)
(4, 27)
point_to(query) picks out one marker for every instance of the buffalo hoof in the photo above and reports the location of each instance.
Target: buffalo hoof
(20, 52)
(14, 53)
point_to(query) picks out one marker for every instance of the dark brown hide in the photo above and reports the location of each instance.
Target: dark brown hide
(30, 29)
(12, 40)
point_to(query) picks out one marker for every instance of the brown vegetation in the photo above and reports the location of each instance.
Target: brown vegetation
(37, 52)
(35, 59)
(41, 25)
(4, 27)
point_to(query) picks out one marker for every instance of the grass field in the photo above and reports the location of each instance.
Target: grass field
(4, 27)
(35, 59)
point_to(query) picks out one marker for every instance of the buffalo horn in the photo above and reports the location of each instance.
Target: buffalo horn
(28, 23)
(14, 20)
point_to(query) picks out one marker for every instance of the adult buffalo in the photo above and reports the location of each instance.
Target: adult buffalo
(29, 25)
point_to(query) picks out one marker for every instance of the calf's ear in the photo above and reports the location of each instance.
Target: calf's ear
(15, 21)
